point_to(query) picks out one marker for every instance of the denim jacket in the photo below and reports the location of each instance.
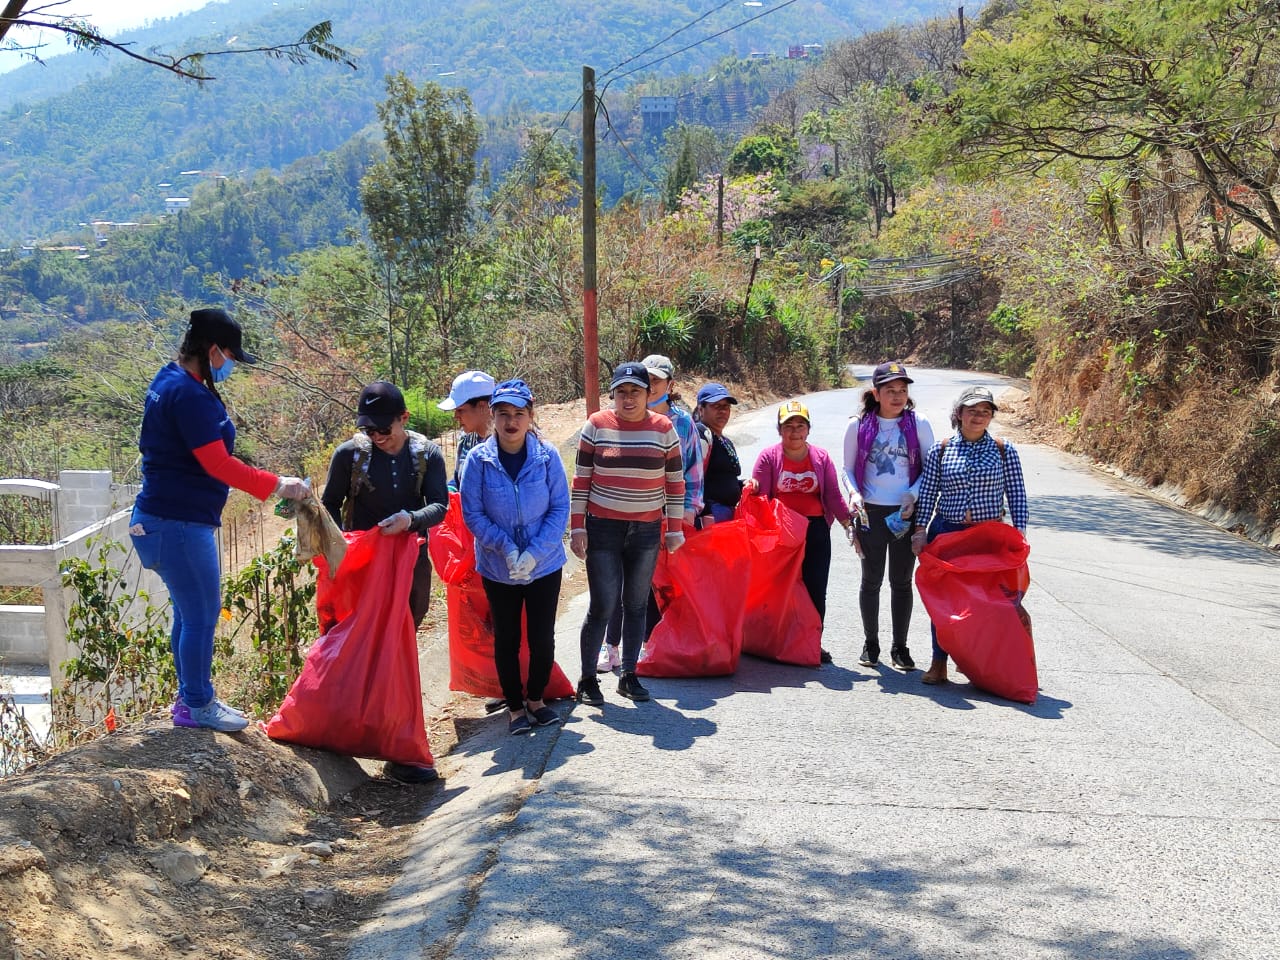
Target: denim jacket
(530, 513)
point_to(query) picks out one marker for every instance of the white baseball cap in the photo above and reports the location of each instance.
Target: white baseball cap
(468, 385)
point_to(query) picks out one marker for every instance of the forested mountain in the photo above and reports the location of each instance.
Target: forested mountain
(114, 146)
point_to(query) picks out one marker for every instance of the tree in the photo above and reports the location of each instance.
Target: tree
(1194, 84)
(682, 173)
(764, 154)
(81, 35)
(419, 209)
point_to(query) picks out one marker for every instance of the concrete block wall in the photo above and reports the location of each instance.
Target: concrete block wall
(85, 497)
(22, 638)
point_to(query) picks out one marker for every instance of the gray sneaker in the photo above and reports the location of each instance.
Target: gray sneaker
(218, 716)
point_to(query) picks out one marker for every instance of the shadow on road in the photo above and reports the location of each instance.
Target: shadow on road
(698, 881)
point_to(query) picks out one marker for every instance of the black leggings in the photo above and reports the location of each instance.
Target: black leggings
(538, 601)
(877, 544)
(816, 568)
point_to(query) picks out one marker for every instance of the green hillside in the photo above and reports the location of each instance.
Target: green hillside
(115, 145)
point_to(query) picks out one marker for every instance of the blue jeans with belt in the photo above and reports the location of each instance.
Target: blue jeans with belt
(938, 527)
(185, 556)
(621, 555)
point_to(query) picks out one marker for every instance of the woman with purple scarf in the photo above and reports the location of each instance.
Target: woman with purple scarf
(884, 452)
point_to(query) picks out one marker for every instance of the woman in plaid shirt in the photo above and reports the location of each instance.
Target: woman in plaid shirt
(967, 479)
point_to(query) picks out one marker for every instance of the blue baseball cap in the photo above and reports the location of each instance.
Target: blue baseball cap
(714, 393)
(514, 392)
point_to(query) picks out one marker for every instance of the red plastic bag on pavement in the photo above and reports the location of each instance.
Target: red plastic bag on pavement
(702, 593)
(471, 665)
(972, 582)
(781, 622)
(359, 692)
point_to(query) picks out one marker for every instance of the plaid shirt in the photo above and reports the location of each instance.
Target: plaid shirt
(968, 482)
(691, 455)
(466, 443)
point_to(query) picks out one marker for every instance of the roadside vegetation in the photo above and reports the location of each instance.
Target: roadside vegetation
(1084, 190)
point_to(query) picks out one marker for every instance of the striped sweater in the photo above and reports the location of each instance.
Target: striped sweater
(628, 471)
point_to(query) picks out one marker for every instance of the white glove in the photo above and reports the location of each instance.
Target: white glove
(919, 540)
(908, 505)
(674, 541)
(851, 534)
(578, 544)
(513, 561)
(398, 522)
(293, 488)
(523, 570)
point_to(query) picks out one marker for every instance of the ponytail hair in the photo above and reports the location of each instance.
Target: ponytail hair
(196, 347)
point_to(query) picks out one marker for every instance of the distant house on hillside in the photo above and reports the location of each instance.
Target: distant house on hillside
(174, 204)
(656, 114)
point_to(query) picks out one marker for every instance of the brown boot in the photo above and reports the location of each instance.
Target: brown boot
(937, 672)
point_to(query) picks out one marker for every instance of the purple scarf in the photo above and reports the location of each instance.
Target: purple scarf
(868, 427)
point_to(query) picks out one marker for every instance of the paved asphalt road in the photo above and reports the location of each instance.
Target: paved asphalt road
(1132, 812)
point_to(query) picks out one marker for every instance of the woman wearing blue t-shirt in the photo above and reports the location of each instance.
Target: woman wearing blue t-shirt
(515, 502)
(186, 442)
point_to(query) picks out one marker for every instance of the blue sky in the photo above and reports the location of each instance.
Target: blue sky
(109, 16)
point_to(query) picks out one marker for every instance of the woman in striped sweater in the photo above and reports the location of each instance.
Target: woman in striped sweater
(628, 478)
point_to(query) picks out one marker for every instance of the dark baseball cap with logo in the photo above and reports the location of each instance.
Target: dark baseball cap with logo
(215, 326)
(629, 372)
(893, 370)
(380, 404)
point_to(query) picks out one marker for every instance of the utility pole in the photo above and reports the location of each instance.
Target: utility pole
(720, 210)
(590, 334)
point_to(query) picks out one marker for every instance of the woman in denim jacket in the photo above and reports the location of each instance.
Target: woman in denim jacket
(515, 502)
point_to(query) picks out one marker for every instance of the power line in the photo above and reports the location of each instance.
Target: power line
(721, 33)
(655, 46)
(627, 150)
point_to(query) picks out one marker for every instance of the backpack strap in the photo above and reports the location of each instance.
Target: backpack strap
(359, 476)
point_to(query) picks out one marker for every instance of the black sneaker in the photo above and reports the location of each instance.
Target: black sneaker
(629, 687)
(589, 692)
(902, 659)
(824, 655)
(870, 655)
(410, 773)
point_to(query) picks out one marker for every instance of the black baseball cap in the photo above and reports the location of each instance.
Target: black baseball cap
(215, 326)
(893, 370)
(380, 404)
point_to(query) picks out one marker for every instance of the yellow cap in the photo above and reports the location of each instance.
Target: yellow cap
(793, 408)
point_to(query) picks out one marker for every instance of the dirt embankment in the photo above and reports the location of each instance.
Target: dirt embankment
(163, 842)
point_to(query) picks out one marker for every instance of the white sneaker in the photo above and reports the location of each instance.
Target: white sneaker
(610, 659)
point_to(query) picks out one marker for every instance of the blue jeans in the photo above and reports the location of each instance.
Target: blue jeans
(621, 555)
(936, 528)
(185, 555)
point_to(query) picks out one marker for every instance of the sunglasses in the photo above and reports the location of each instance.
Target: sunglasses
(376, 431)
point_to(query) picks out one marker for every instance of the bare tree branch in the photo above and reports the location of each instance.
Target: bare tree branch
(317, 43)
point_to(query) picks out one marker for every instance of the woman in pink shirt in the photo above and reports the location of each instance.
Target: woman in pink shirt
(804, 478)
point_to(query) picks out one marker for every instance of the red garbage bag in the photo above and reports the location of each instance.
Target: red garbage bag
(781, 622)
(972, 582)
(328, 600)
(359, 692)
(702, 593)
(471, 665)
